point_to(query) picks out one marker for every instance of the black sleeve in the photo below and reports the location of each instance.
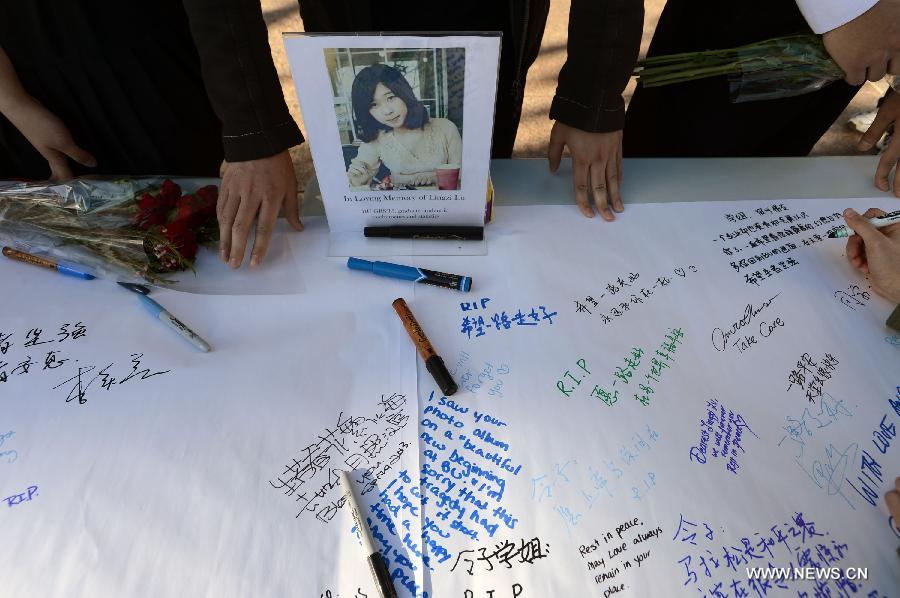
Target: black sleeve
(240, 78)
(603, 46)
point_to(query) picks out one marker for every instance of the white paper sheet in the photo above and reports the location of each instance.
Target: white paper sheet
(595, 478)
(524, 483)
(189, 482)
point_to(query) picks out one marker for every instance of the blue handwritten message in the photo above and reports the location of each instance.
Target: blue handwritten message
(467, 461)
(22, 497)
(472, 378)
(570, 489)
(869, 472)
(812, 435)
(8, 454)
(721, 436)
(717, 565)
(474, 324)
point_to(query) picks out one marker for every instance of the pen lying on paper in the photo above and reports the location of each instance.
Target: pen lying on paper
(167, 318)
(377, 564)
(36, 260)
(877, 222)
(420, 275)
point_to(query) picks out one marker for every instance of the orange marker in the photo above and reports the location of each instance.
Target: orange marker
(36, 260)
(433, 362)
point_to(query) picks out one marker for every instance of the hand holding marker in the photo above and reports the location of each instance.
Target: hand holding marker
(877, 222)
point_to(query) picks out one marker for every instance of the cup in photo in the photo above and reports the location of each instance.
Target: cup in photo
(447, 176)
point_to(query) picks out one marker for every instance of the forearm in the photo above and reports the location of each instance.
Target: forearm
(12, 93)
(603, 46)
(240, 78)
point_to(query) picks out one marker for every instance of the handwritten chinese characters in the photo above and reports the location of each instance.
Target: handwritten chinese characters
(784, 228)
(354, 442)
(625, 296)
(76, 376)
(36, 337)
(474, 325)
(655, 363)
(810, 376)
(502, 555)
(716, 565)
(571, 488)
(813, 436)
(79, 383)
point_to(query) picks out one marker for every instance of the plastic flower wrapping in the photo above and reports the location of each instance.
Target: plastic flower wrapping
(127, 229)
(775, 68)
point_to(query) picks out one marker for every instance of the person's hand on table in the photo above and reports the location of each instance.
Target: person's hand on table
(596, 167)
(888, 114)
(868, 46)
(255, 190)
(49, 136)
(875, 252)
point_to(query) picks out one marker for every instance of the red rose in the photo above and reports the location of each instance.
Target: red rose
(192, 209)
(182, 238)
(209, 194)
(185, 213)
(147, 202)
(170, 191)
(150, 212)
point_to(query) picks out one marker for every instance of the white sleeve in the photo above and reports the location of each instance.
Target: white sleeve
(825, 15)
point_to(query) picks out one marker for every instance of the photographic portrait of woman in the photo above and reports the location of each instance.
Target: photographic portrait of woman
(397, 132)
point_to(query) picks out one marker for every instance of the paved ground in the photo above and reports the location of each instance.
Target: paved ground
(534, 131)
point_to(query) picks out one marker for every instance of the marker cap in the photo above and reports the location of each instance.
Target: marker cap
(437, 369)
(74, 271)
(354, 263)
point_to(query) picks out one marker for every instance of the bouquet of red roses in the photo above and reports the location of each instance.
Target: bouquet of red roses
(144, 227)
(177, 224)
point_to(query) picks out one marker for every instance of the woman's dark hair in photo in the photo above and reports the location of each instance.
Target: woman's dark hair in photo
(364, 90)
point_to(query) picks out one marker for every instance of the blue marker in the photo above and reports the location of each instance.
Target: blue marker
(174, 323)
(438, 279)
(36, 260)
